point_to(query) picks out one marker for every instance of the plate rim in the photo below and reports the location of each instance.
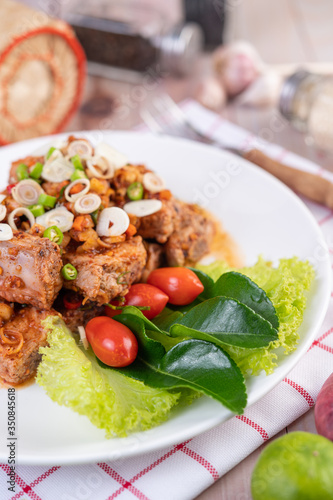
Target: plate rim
(163, 442)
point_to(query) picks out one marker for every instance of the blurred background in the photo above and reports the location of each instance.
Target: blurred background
(73, 65)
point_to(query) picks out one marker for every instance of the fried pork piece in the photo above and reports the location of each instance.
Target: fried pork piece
(155, 259)
(30, 270)
(105, 275)
(160, 225)
(20, 340)
(80, 317)
(192, 240)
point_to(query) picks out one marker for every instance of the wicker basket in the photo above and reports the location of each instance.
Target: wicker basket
(42, 70)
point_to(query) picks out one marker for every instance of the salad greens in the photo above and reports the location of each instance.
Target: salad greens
(73, 377)
(231, 329)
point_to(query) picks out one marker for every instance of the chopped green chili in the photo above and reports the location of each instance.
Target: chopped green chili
(69, 272)
(54, 234)
(135, 191)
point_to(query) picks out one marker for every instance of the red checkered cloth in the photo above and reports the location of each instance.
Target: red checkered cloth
(184, 470)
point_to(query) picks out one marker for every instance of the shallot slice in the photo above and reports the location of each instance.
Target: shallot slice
(72, 197)
(3, 212)
(142, 208)
(153, 182)
(114, 157)
(6, 232)
(17, 212)
(113, 221)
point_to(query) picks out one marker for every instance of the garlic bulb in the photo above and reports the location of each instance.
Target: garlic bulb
(6, 232)
(153, 182)
(60, 217)
(237, 65)
(211, 94)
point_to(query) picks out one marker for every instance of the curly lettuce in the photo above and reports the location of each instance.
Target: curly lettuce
(113, 402)
(286, 286)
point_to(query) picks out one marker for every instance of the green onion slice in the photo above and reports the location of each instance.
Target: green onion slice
(37, 210)
(78, 174)
(50, 151)
(22, 172)
(36, 172)
(77, 162)
(47, 200)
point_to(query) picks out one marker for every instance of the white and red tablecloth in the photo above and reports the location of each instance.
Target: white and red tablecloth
(184, 470)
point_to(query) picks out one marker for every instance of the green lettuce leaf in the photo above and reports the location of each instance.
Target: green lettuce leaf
(111, 401)
(286, 287)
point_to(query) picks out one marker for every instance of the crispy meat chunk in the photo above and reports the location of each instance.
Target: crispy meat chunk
(160, 225)
(20, 340)
(155, 259)
(105, 275)
(30, 270)
(80, 317)
(192, 240)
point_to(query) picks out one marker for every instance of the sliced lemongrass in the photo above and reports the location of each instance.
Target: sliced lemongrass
(27, 192)
(60, 217)
(153, 182)
(115, 158)
(3, 212)
(142, 208)
(18, 212)
(87, 204)
(3, 197)
(6, 232)
(57, 170)
(73, 197)
(100, 167)
(80, 147)
(83, 337)
(112, 221)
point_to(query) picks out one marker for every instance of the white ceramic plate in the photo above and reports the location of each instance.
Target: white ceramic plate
(262, 215)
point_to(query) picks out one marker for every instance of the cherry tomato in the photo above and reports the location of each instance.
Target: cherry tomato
(181, 284)
(142, 295)
(113, 343)
(10, 187)
(72, 300)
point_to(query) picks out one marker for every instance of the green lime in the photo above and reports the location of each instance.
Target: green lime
(297, 466)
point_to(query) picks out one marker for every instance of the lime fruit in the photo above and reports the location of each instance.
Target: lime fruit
(297, 466)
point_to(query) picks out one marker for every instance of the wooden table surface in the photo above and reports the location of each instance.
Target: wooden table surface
(109, 104)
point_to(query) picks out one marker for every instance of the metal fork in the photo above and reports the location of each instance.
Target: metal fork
(163, 115)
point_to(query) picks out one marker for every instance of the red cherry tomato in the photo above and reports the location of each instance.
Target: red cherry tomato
(142, 295)
(113, 343)
(181, 284)
(10, 187)
(72, 300)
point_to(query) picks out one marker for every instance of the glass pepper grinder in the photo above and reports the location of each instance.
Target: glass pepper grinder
(306, 101)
